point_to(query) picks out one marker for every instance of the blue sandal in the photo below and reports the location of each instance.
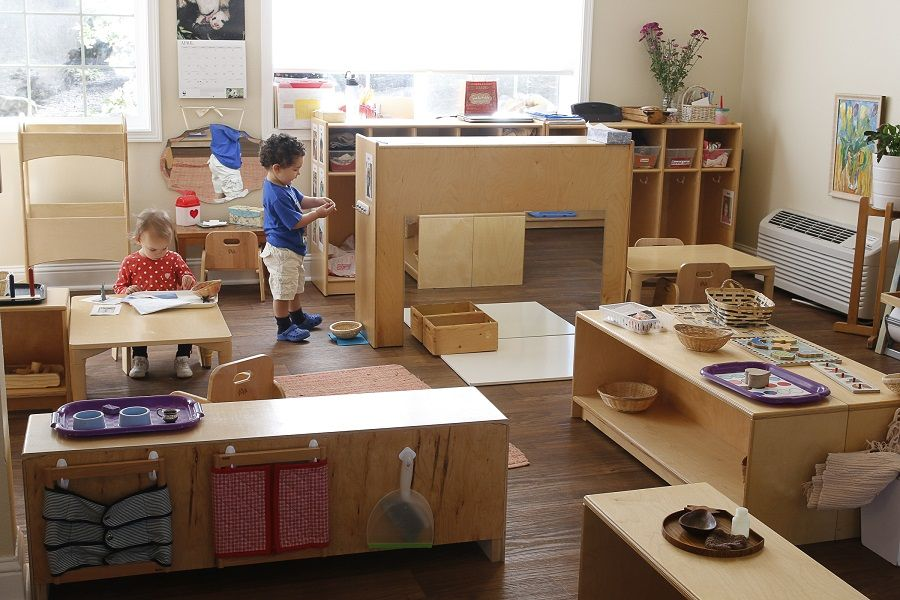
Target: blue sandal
(310, 320)
(292, 334)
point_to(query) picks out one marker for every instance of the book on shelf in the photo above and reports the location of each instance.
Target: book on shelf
(497, 118)
(557, 118)
(481, 97)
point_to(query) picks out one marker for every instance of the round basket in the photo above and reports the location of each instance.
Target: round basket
(892, 382)
(627, 396)
(696, 114)
(702, 339)
(345, 330)
(733, 305)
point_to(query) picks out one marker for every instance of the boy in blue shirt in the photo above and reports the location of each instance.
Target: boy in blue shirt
(283, 221)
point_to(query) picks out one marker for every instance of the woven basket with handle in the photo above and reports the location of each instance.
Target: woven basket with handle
(736, 306)
(696, 114)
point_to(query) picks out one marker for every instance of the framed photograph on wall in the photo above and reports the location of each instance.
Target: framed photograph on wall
(727, 215)
(851, 156)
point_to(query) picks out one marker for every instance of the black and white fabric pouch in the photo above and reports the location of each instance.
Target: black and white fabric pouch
(73, 531)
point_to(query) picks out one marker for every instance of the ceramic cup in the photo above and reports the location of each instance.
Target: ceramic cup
(722, 116)
(756, 378)
(88, 419)
(134, 416)
(169, 415)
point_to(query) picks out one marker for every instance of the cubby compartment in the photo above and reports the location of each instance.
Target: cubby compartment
(679, 206)
(729, 141)
(391, 131)
(437, 131)
(479, 131)
(717, 208)
(645, 205)
(341, 161)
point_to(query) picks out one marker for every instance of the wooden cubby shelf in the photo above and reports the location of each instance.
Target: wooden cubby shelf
(690, 210)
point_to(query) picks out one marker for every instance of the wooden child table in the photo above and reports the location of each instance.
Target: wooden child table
(460, 438)
(624, 555)
(91, 335)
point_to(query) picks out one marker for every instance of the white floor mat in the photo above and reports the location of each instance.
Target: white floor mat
(517, 360)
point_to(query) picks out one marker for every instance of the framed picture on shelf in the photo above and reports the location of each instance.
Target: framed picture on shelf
(851, 156)
(727, 216)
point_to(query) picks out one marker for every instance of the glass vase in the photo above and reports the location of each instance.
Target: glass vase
(666, 101)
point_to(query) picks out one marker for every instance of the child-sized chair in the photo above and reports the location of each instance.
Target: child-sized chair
(251, 378)
(233, 251)
(690, 284)
(648, 241)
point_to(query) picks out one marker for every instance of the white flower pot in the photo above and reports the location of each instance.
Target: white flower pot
(885, 181)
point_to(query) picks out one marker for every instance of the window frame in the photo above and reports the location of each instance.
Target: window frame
(267, 112)
(147, 52)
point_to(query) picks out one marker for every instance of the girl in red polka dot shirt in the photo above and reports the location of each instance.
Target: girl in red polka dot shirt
(155, 268)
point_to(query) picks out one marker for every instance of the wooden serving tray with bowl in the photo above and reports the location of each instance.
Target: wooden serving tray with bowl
(680, 537)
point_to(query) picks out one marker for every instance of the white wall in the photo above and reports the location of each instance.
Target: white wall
(799, 55)
(620, 67)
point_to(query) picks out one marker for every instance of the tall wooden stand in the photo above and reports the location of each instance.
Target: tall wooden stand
(852, 325)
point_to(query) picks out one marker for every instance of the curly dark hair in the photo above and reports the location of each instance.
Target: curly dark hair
(280, 149)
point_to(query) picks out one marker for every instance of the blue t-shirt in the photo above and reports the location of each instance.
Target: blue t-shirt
(226, 145)
(281, 211)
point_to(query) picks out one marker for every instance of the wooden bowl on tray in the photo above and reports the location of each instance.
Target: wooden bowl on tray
(702, 339)
(207, 289)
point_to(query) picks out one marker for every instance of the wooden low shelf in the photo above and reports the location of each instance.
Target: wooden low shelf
(460, 438)
(699, 431)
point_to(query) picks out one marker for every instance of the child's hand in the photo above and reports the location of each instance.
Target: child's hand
(187, 282)
(132, 289)
(326, 209)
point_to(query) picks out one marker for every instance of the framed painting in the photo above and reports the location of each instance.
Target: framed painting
(851, 156)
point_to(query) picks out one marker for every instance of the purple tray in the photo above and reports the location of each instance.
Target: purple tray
(817, 390)
(189, 414)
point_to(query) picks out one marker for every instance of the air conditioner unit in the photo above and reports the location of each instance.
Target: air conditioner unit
(814, 259)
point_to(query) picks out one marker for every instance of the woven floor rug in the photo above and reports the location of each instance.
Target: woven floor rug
(383, 378)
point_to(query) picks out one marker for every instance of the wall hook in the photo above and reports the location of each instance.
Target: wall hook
(644, 180)
(679, 179)
(63, 483)
(314, 444)
(717, 178)
(154, 455)
(230, 450)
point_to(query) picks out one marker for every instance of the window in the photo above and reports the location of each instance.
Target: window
(80, 58)
(428, 50)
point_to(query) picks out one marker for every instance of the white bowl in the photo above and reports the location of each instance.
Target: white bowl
(134, 416)
(88, 419)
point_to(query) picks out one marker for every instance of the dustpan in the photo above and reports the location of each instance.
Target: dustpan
(402, 518)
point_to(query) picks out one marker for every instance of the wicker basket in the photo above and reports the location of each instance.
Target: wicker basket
(627, 396)
(345, 330)
(892, 382)
(696, 114)
(702, 339)
(735, 306)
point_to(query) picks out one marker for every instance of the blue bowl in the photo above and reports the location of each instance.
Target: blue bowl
(88, 419)
(134, 416)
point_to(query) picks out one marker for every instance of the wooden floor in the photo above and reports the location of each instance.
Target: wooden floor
(569, 458)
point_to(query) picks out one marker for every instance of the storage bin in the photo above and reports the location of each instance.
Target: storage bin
(645, 157)
(187, 209)
(460, 333)
(301, 506)
(623, 315)
(249, 216)
(241, 514)
(716, 158)
(341, 161)
(418, 312)
(680, 158)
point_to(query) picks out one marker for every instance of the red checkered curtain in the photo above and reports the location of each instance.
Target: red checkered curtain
(300, 499)
(241, 511)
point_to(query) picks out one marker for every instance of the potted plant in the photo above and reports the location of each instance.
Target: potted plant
(886, 168)
(670, 62)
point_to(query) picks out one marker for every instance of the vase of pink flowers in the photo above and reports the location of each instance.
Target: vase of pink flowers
(670, 62)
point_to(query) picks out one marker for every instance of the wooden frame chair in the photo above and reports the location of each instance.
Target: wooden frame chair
(251, 378)
(690, 284)
(650, 241)
(233, 251)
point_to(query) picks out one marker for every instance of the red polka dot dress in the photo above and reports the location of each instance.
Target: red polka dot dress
(163, 274)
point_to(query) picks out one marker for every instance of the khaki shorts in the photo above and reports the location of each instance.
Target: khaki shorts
(287, 276)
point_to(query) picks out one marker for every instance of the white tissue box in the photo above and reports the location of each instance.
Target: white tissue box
(607, 135)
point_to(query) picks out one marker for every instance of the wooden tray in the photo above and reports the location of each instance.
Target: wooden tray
(677, 536)
(634, 113)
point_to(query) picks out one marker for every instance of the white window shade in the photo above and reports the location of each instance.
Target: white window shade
(406, 36)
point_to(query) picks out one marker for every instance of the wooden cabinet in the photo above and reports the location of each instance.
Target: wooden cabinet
(686, 202)
(38, 333)
(334, 167)
(445, 251)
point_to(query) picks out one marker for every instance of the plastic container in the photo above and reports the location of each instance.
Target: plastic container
(740, 523)
(680, 158)
(645, 157)
(342, 161)
(716, 158)
(626, 314)
(187, 209)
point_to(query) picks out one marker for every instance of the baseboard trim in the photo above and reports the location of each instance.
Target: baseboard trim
(745, 248)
